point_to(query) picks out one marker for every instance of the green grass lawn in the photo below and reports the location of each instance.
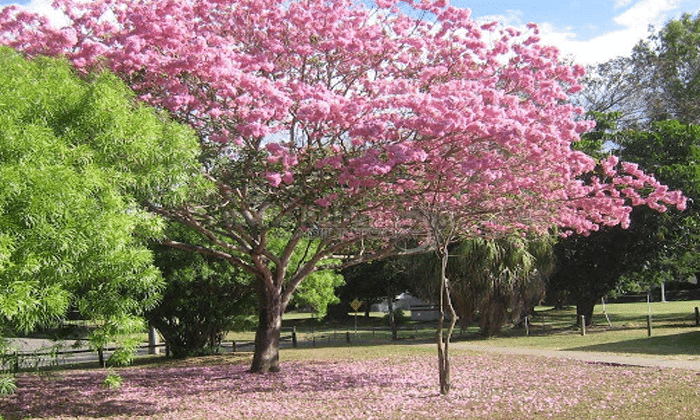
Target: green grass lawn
(674, 333)
(388, 379)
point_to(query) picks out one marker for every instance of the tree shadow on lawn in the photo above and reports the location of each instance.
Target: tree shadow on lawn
(159, 390)
(686, 344)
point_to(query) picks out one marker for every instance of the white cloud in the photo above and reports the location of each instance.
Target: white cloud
(511, 17)
(622, 3)
(645, 12)
(633, 25)
(634, 21)
(43, 7)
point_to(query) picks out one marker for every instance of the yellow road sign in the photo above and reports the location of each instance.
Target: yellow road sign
(355, 305)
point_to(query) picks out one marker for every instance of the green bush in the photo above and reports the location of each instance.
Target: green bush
(204, 298)
(113, 380)
(7, 386)
(400, 318)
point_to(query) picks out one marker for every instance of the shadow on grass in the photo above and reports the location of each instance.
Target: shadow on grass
(684, 344)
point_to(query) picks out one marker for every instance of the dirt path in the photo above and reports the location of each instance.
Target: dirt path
(689, 363)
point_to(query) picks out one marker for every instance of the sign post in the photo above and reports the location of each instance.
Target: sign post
(355, 305)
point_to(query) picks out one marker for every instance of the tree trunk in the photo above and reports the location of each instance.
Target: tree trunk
(267, 336)
(585, 307)
(444, 337)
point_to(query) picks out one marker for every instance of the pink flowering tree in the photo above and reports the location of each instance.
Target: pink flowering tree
(342, 129)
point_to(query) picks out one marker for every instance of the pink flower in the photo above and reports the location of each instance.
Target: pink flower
(273, 178)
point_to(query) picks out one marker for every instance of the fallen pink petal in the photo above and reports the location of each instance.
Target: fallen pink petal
(485, 386)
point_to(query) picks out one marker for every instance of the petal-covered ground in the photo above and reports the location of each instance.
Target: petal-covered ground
(485, 386)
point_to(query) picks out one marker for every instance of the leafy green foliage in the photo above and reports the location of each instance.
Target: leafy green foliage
(112, 380)
(204, 297)
(657, 246)
(669, 63)
(318, 291)
(124, 327)
(77, 156)
(598, 141)
(494, 280)
(670, 150)
(7, 385)
(590, 267)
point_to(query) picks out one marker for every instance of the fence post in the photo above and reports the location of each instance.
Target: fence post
(233, 346)
(294, 336)
(649, 325)
(697, 316)
(152, 340)
(15, 362)
(101, 357)
(583, 325)
(347, 336)
(527, 326)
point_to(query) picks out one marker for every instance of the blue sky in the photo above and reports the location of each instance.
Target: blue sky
(589, 31)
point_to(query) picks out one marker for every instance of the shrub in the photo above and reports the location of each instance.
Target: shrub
(7, 386)
(400, 318)
(112, 380)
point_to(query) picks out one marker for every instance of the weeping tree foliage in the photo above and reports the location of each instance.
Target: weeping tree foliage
(494, 280)
(76, 156)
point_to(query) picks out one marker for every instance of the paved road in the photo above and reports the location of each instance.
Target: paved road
(689, 363)
(27, 346)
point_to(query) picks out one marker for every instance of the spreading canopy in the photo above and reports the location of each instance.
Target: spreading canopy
(334, 103)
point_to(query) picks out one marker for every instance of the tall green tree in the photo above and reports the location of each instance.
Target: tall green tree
(668, 63)
(590, 267)
(613, 87)
(657, 246)
(660, 80)
(76, 156)
(318, 291)
(671, 151)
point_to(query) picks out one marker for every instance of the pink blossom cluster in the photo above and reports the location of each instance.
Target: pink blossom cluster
(485, 386)
(359, 104)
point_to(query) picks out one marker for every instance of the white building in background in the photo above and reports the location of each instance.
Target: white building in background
(420, 309)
